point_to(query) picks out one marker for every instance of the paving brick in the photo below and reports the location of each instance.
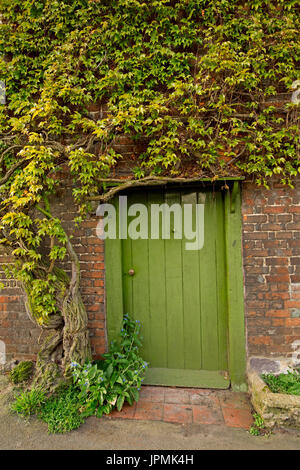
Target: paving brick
(177, 395)
(153, 394)
(176, 413)
(203, 406)
(234, 399)
(127, 412)
(209, 400)
(149, 411)
(205, 415)
(237, 417)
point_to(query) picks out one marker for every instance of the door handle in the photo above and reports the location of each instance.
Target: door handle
(131, 272)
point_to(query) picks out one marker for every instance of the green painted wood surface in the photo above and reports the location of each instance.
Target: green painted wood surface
(191, 378)
(235, 290)
(157, 300)
(196, 296)
(179, 295)
(191, 299)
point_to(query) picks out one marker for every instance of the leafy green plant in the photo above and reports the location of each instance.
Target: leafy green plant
(62, 411)
(118, 378)
(258, 427)
(21, 372)
(29, 402)
(283, 383)
(97, 387)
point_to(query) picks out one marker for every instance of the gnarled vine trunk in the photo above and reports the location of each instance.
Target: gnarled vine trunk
(67, 339)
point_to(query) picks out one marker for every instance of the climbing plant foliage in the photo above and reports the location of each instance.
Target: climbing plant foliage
(204, 84)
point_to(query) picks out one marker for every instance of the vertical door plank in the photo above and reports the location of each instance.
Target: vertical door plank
(234, 271)
(157, 292)
(127, 280)
(221, 285)
(207, 259)
(174, 307)
(140, 282)
(191, 295)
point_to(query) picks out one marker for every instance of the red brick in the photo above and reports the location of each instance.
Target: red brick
(277, 261)
(237, 418)
(228, 398)
(127, 412)
(279, 270)
(274, 209)
(175, 413)
(293, 209)
(177, 395)
(280, 278)
(278, 321)
(260, 340)
(292, 304)
(292, 322)
(271, 227)
(205, 415)
(277, 313)
(149, 411)
(154, 394)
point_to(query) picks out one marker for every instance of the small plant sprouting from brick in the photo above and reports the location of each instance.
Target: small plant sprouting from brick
(22, 372)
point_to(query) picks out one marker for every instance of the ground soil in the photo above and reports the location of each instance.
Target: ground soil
(121, 434)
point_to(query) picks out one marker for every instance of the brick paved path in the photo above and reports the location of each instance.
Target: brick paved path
(186, 405)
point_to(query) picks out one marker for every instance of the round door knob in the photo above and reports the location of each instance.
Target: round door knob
(131, 272)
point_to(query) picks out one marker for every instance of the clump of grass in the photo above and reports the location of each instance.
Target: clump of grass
(60, 411)
(288, 383)
(22, 372)
(29, 403)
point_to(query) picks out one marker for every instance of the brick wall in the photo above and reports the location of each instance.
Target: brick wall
(271, 253)
(19, 334)
(16, 330)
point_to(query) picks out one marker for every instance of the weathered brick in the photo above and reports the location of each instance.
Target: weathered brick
(276, 214)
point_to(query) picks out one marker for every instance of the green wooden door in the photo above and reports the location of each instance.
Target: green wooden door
(179, 295)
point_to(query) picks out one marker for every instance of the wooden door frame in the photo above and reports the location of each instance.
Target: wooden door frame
(235, 288)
